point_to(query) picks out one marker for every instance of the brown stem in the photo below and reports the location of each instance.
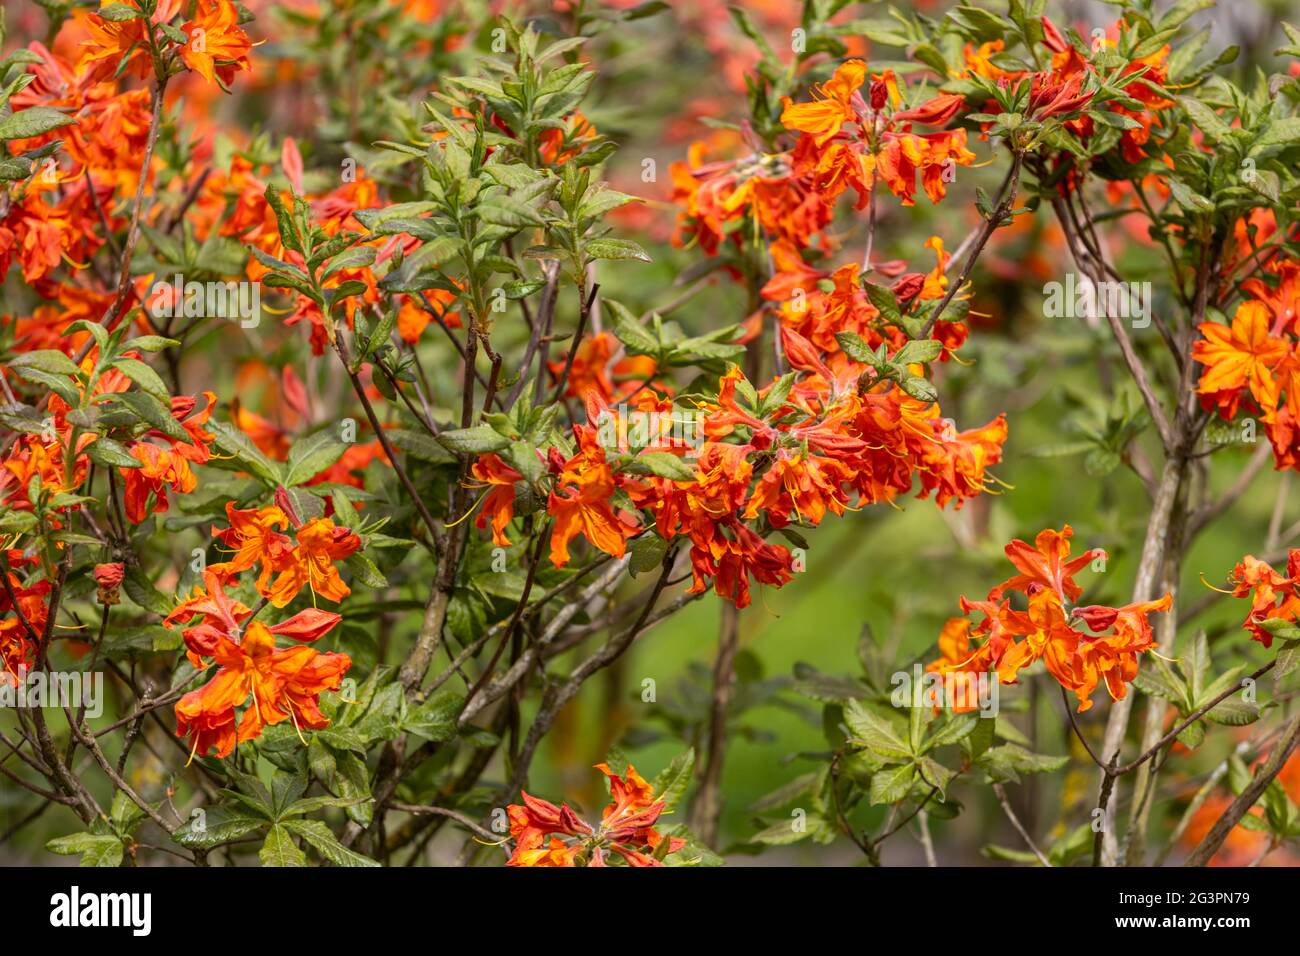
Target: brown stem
(1001, 794)
(1213, 840)
(707, 807)
(1007, 198)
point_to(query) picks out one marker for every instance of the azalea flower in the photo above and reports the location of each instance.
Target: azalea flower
(217, 46)
(549, 836)
(1237, 357)
(1104, 648)
(278, 684)
(580, 501)
(311, 563)
(499, 502)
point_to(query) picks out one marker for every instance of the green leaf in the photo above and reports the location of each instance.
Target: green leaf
(1195, 667)
(34, 121)
(110, 454)
(142, 343)
(435, 719)
(856, 348)
(892, 784)
(1205, 118)
(420, 445)
(919, 388)
(1005, 763)
(1279, 132)
(980, 738)
(365, 571)
(216, 826)
(310, 456)
(662, 464)
(46, 360)
(647, 552)
(785, 832)
(154, 412)
(919, 351)
(473, 441)
(615, 249)
(323, 840)
(508, 212)
(875, 732)
(240, 449)
(935, 774)
(1233, 713)
(96, 849)
(1189, 199)
(885, 302)
(630, 332)
(672, 782)
(1193, 735)
(958, 727)
(119, 12)
(279, 849)
(143, 376)
(1157, 679)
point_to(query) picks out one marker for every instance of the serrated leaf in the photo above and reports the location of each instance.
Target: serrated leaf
(875, 732)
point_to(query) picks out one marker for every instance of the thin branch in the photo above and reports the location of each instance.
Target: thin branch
(1001, 794)
(1209, 846)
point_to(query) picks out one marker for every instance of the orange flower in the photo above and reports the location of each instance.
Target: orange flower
(108, 578)
(253, 537)
(1284, 300)
(933, 155)
(1049, 637)
(626, 828)
(1045, 565)
(592, 371)
(1273, 596)
(731, 560)
(958, 658)
(162, 468)
(557, 146)
(954, 466)
(218, 615)
(1016, 639)
(1239, 356)
(111, 40)
(837, 102)
(580, 503)
(809, 485)
(320, 544)
(18, 644)
(1113, 658)
(283, 684)
(499, 502)
(217, 47)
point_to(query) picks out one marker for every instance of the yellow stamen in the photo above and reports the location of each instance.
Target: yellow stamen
(470, 511)
(1211, 586)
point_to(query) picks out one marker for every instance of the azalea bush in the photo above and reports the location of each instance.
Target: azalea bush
(600, 434)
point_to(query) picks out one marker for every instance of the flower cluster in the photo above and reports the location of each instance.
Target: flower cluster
(1008, 638)
(626, 828)
(24, 612)
(1274, 598)
(1254, 361)
(281, 683)
(1072, 82)
(253, 539)
(807, 444)
(54, 217)
(845, 140)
